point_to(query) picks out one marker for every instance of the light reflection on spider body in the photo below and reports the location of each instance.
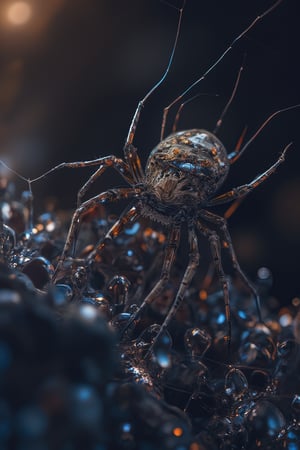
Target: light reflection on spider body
(185, 170)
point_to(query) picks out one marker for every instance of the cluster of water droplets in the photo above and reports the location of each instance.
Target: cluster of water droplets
(79, 368)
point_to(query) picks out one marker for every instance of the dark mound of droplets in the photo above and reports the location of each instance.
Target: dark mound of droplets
(77, 372)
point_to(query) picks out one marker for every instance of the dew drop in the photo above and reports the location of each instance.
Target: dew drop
(118, 288)
(236, 384)
(197, 342)
(265, 419)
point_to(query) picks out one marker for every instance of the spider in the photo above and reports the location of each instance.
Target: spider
(177, 188)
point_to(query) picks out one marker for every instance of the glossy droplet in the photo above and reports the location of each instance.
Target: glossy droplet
(118, 288)
(248, 353)
(266, 420)
(103, 305)
(259, 379)
(120, 321)
(257, 346)
(236, 384)
(39, 270)
(62, 294)
(197, 342)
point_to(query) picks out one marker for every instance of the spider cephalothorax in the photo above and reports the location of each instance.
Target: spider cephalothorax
(186, 168)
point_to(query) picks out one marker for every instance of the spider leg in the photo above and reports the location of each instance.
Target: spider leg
(130, 153)
(211, 269)
(221, 118)
(227, 244)
(105, 197)
(169, 257)
(215, 248)
(104, 162)
(109, 161)
(134, 163)
(237, 152)
(245, 189)
(216, 63)
(185, 282)
(126, 217)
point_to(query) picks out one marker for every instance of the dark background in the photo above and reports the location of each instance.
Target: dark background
(70, 80)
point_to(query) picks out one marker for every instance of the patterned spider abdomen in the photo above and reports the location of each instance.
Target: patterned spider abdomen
(186, 168)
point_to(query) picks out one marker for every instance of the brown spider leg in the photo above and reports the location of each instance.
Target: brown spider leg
(179, 111)
(237, 153)
(104, 162)
(185, 282)
(210, 271)
(227, 245)
(245, 189)
(221, 118)
(169, 257)
(191, 86)
(134, 163)
(105, 197)
(126, 217)
(131, 156)
(215, 248)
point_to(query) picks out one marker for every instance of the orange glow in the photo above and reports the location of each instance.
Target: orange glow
(195, 446)
(19, 13)
(203, 294)
(178, 432)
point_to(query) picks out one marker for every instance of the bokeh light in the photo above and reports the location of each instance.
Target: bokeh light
(19, 13)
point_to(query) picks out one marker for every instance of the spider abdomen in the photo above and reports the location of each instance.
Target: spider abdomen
(186, 168)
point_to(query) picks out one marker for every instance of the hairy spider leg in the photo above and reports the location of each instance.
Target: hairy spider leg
(211, 269)
(228, 246)
(215, 248)
(185, 282)
(136, 116)
(220, 120)
(104, 163)
(109, 196)
(237, 153)
(245, 189)
(169, 258)
(228, 49)
(179, 111)
(134, 163)
(129, 215)
(234, 91)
